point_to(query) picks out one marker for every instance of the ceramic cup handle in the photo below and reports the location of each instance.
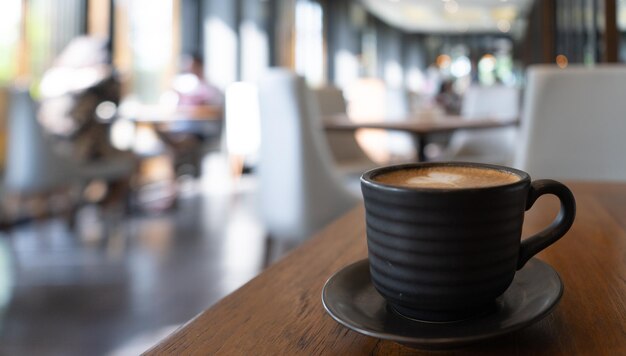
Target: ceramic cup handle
(534, 244)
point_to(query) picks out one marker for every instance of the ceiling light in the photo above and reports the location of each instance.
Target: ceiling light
(461, 67)
(561, 61)
(487, 63)
(415, 13)
(505, 13)
(504, 26)
(466, 15)
(443, 61)
(451, 6)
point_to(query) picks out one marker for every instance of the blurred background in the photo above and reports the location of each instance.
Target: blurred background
(132, 138)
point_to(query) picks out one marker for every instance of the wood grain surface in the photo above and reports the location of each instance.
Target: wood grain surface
(280, 312)
(443, 124)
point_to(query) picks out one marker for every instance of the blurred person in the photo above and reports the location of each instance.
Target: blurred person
(199, 103)
(448, 98)
(80, 93)
(191, 86)
(433, 80)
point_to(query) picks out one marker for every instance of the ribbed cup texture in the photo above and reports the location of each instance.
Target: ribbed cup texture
(441, 256)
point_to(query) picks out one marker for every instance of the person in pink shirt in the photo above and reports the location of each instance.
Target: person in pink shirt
(192, 88)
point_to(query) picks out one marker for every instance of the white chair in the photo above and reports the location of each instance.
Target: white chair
(349, 158)
(300, 191)
(242, 125)
(32, 165)
(574, 123)
(35, 168)
(366, 101)
(370, 99)
(496, 146)
(401, 145)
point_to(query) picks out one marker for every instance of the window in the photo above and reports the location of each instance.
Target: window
(310, 41)
(10, 23)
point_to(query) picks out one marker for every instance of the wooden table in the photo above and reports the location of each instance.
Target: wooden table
(280, 312)
(420, 129)
(156, 114)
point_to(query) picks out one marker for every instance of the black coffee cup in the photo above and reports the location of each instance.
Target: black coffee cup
(439, 254)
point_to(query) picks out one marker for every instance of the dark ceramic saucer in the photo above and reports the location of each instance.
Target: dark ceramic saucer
(350, 298)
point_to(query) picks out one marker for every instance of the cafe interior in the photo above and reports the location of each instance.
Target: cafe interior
(156, 156)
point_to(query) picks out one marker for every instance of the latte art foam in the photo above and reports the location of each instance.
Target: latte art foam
(447, 177)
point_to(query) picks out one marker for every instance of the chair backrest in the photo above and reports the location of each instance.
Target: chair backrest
(574, 122)
(243, 133)
(366, 99)
(400, 144)
(397, 104)
(497, 102)
(32, 164)
(300, 191)
(495, 146)
(330, 100)
(342, 144)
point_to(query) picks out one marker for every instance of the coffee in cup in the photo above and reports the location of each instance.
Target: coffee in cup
(447, 177)
(444, 239)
